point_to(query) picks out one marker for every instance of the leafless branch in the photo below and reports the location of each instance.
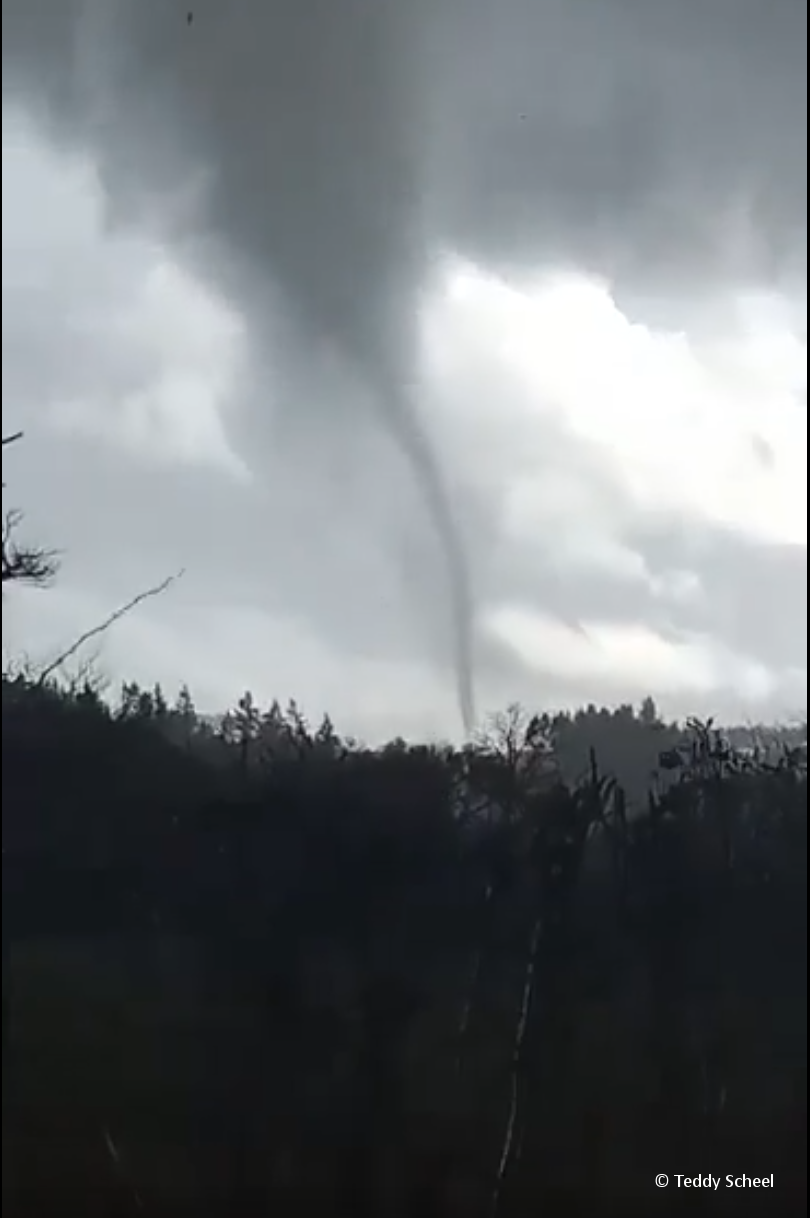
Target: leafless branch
(24, 564)
(102, 627)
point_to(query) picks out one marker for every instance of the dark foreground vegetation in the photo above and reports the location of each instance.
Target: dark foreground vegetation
(251, 968)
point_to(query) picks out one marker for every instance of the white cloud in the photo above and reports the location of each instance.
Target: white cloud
(672, 415)
(149, 359)
(630, 656)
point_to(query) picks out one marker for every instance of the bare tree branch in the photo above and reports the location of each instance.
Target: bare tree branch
(23, 564)
(102, 627)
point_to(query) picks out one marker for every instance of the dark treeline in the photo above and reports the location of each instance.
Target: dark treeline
(252, 967)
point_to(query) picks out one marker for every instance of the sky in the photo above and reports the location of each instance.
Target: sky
(456, 352)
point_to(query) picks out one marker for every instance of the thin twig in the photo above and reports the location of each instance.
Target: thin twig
(516, 1069)
(118, 1164)
(114, 617)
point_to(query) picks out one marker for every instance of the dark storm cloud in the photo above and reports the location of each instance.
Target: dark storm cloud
(311, 157)
(325, 148)
(648, 137)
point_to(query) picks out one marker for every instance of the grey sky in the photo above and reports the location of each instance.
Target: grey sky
(576, 231)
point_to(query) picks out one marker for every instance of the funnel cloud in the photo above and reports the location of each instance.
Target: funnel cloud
(312, 161)
(301, 123)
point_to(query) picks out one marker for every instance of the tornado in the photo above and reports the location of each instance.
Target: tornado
(404, 424)
(299, 131)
